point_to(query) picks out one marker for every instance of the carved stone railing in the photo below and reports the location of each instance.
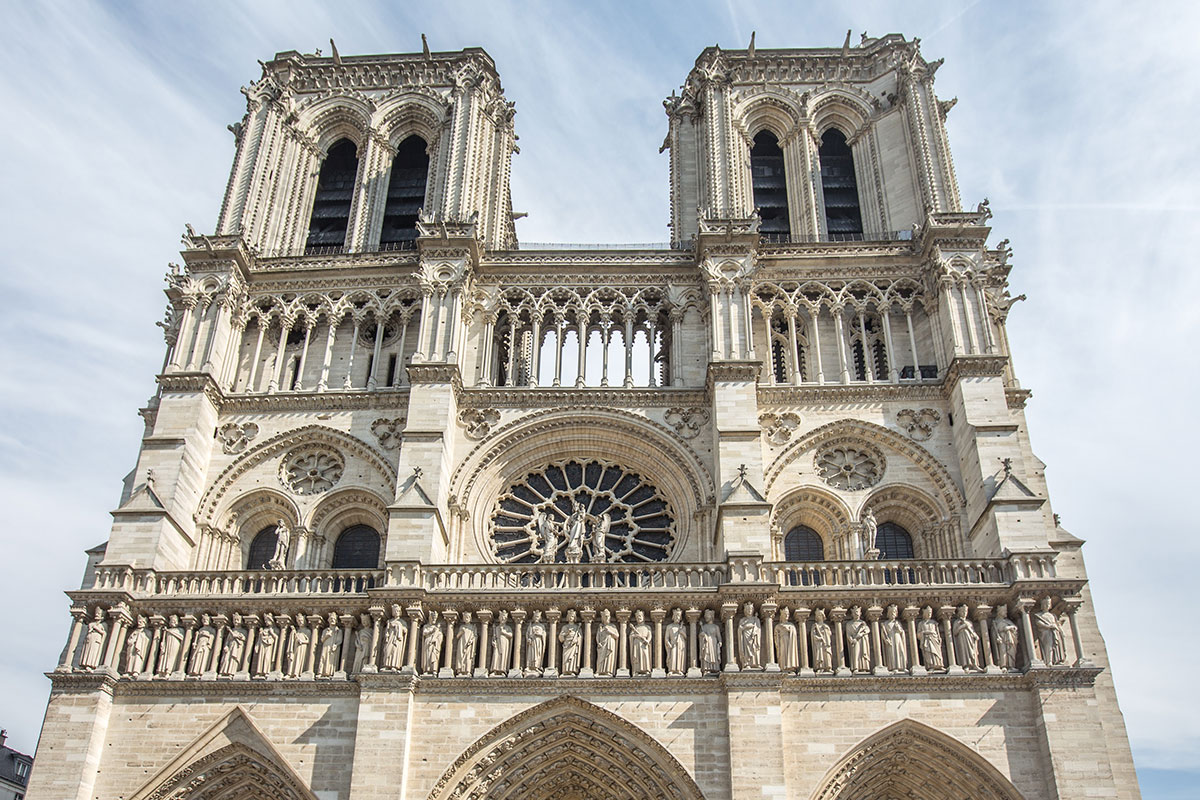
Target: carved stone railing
(556, 577)
(151, 583)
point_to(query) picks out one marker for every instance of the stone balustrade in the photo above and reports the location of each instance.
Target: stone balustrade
(736, 569)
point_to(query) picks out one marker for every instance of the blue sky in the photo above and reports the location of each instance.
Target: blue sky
(1076, 120)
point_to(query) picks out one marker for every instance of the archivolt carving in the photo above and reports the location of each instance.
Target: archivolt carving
(949, 491)
(260, 508)
(418, 110)
(328, 120)
(820, 510)
(348, 507)
(906, 506)
(309, 434)
(910, 759)
(566, 747)
(635, 442)
(235, 772)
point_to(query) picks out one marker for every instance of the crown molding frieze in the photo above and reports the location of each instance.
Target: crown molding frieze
(536, 397)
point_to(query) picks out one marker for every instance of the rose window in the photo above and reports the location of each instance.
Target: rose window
(311, 470)
(849, 468)
(537, 519)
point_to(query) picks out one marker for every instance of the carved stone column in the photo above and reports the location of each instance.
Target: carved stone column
(485, 620)
(518, 618)
(1031, 659)
(768, 617)
(415, 615)
(119, 622)
(316, 622)
(347, 621)
(946, 616)
(157, 623)
(370, 662)
(800, 615)
(189, 623)
(447, 670)
(877, 665)
(252, 623)
(837, 615)
(587, 615)
(1072, 605)
(983, 614)
(552, 616)
(693, 617)
(622, 642)
(909, 615)
(67, 658)
(656, 616)
(728, 610)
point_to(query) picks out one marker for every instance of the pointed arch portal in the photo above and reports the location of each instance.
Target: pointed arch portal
(564, 749)
(908, 759)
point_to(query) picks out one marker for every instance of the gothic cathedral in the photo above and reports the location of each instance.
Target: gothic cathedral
(420, 512)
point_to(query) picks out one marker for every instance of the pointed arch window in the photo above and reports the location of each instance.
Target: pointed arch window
(843, 216)
(335, 192)
(357, 548)
(802, 543)
(405, 195)
(769, 181)
(262, 548)
(893, 541)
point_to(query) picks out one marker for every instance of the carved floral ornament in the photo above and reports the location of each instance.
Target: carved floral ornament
(388, 432)
(687, 422)
(850, 466)
(311, 469)
(234, 436)
(478, 422)
(918, 424)
(778, 427)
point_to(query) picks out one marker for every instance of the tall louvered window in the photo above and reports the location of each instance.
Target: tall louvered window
(406, 194)
(770, 186)
(843, 217)
(893, 542)
(335, 192)
(803, 544)
(262, 548)
(357, 548)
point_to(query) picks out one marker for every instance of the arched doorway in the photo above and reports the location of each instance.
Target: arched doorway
(908, 759)
(565, 749)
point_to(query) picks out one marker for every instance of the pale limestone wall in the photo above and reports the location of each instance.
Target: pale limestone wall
(745, 741)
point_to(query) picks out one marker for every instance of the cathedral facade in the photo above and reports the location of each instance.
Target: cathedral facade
(420, 512)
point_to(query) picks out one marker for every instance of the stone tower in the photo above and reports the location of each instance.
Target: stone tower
(421, 513)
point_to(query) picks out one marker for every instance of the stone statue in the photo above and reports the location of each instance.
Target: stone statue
(1049, 633)
(263, 662)
(535, 643)
(502, 642)
(640, 639)
(870, 530)
(858, 641)
(675, 637)
(895, 641)
(930, 639)
(749, 639)
(283, 538)
(93, 642)
(233, 648)
(576, 532)
(136, 645)
(298, 654)
(599, 554)
(332, 639)
(202, 646)
(547, 535)
(431, 644)
(362, 642)
(607, 637)
(465, 640)
(172, 648)
(571, 637)
(822, 642)
(787, 642)
(1005, 635)
(395, 637)
(710, 643)
(966, 640)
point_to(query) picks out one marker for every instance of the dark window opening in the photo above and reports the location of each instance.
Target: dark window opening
(802, 543)
(331, 205)
(370, 365)
(893, 542)
(391, 370)
(357, 548)
(770, 185)
(262, 549)
(406, 194)
(839, 186)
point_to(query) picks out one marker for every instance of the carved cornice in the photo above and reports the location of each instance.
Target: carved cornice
(732, 371)
(193, 382)
(1017, 398)
(436, 373)
(562, 397)
(341, 262)
(634, 261)
(389, 398)
(847, 393)
(194, 687)
(974, 367)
